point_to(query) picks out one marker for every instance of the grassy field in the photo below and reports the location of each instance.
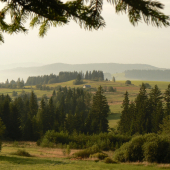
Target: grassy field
(52, 159)
(114, 98)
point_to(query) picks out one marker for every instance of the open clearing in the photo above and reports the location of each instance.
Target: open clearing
(53, 158)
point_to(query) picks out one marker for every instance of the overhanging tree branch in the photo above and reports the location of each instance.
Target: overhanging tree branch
(47, 13)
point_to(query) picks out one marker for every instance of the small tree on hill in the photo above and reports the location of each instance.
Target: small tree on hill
(128, 82)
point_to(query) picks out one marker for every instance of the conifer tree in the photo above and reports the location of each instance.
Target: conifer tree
(158, 117)
(15, 123)
(33, 105)
(132, 123)
(155, 100)
(6, 114)
(142, 111)
(125, 116)
(54, 93)
(99, 111)
(50, 114)
(87, 75)
(42, 117)
(167, 100)
(2, 130)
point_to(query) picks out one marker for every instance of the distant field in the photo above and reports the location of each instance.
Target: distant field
(161, 84)
(53, 158)
(39, 93)
(114, 98)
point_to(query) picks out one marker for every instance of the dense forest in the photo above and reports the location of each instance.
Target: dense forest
(52, 78)
(67, 110)
(152, 75)
(40, 81)
(95, 75)
(63, 77)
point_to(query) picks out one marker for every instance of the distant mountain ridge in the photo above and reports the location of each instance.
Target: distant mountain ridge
(16, 65)
(25, 72)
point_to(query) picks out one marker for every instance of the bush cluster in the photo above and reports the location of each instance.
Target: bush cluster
(105, 141)
(149, 147)
(87, 152)
(20, 152)
(99, 155)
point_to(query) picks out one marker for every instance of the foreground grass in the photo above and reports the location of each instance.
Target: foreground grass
(15, 163)
(42, 161)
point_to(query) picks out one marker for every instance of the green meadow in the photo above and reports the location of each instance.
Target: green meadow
(53, 158)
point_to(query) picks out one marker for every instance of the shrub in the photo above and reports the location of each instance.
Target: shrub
(147, 85)
(99, 155)
(46, 143)
(14, 93)
(77, 82)
(21, 153)
(87, 152)
(157, 149)
(15, 144)
(108, 160)
(128, 82)
(105, 141)
(130, 151)
(150, 147)
(111, 89)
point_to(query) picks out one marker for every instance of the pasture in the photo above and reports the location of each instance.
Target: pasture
(53, 158)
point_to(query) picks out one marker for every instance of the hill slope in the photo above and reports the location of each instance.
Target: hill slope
(25, 72)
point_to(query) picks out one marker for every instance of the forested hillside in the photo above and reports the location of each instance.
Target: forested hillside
(25, 72)
(64, 76)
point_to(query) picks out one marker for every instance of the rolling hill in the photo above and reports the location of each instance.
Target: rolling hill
(112, 68)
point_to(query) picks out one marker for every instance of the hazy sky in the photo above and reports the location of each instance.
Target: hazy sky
(118, 42)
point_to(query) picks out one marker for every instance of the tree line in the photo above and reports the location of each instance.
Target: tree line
(52, 78)
(67, 110)
(157, 75)
(13, 84)
(95, 75)
(63, 77)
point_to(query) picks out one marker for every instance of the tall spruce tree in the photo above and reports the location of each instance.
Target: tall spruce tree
(50, 117)
(155, 100)
(15, 123)
(142, 112)
(99, 112)
(33, 105)
(124, 124)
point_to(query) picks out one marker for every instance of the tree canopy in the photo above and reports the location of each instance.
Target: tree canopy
(47, 13)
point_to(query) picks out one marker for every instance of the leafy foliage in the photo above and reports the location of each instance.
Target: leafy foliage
(150, 147)
(20, 152)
